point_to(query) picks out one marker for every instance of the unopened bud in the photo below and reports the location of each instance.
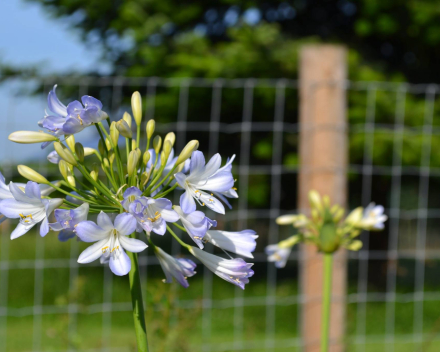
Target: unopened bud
(136, 107)
(95, 172)
(315, 200)
(71, 180)
(133, 159)
(167, 148)
(31, 174)
(70, 141)
(30, 137)
(79, 151)
(114, 133)
(144, 178)
(64, 168)
(89, 151)
(187, 151)
(157, 143)
(108, 144)
(170, 137)
(133, 144)
(65, 153)
(139, 153)
(151, 125)
(354, 245)
(124, 129)
(101, 147)
(111, 156)
(127, 118)
(146, 157)
(106, 163)
(163, 158)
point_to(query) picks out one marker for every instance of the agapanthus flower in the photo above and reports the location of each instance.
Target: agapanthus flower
(29, 207)
(278, 254)
(67, 220)
(240, 242)
(179, 268)
(196, 224)
(202, 181)
(151, 214)
(235, 271)
(373, 217)
(73, 118)
(111, 241)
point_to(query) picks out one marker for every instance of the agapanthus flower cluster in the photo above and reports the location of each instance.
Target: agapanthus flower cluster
(114, 196)
(326, 228)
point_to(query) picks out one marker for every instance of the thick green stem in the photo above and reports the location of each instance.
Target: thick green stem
(326, 301)
(138, 306)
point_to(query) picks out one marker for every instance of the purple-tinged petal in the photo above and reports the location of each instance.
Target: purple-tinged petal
(89, 101)
(88, 231)
(53, 157)
(125, 224)
(72, 126)
(104, 221)
(132, 244)
(187, 203)
(93, 252)
(54, 104)
(197, 163)
(120, 264)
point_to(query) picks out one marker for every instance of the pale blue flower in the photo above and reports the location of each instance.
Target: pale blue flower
(178, 268)
(202, 181)
(67, 219)
(278, 255)
(111, 241)
(29, 207)
(196, 224)
(235, 271)
(240, 242)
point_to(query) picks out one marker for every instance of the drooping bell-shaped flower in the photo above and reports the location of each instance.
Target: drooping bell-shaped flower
(373, 217)
(202, 181)
(111, 241)
(178, 268)
(68, 219)
(196, 224)
(151, 214)
(29, 207)
(240, 242)
(278, 255)
(235, 271)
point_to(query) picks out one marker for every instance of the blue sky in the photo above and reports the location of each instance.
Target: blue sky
(30, 36)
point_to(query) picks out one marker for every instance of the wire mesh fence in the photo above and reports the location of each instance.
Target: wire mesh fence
(393, 290)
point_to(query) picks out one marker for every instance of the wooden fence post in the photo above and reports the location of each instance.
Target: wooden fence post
(323, 167)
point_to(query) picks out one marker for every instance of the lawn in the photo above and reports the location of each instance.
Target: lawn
(175, 316)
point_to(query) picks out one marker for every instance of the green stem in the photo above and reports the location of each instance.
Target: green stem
(326, 301)
(138, 306)
(177, 238)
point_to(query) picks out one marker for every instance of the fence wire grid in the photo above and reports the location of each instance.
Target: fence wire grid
(393, 290)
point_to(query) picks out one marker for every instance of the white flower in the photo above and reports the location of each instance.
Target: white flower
(278, 255)
(179, 268)
(29, 207)
(210, 178)
(241, 243)
(373, 217)
(235, 271)
(111, 240)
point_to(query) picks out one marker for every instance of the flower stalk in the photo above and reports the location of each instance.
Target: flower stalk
(326, 302)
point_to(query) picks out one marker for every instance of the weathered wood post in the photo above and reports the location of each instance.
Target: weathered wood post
(323, 167)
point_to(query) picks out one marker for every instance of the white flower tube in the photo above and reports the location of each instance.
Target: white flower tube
(30, 137)
(241, 243)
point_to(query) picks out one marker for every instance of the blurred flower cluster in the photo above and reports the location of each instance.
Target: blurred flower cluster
(326, 228)
(127, 192)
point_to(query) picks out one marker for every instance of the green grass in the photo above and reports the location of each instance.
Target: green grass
(170, 326)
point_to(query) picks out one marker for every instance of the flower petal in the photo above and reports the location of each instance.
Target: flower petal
(44, 227)
(54, 104)
(72, 126)
(88, 231)
(187, 203)
(20, 230)
(104, 221)
(12, 208)
(132, 244)
(125, 224)
(212, 166)
(93, 252)
(120, 264)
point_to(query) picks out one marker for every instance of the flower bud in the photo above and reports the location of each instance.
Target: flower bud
(167, 148)
(127, 118)
(146, 157)
(136, 107)
(157, 143)
(124, 129)
(106, 163)
(315, 200)
(133, 159)
(138, 151)
(70, 141)
(89, 151)
(354, 245)
(29, 137)
(101, 147)
(151, 125)
(95, 171)
(187, 151)
(133, 144)
(355, 217)
(71, 180)
(31, 175)
(108, 144)
(170, 137)
(65, 153)
(163, 158)
(64, 168)
(144, 178)
(111, 156)
(79, 151)
(114, 133)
